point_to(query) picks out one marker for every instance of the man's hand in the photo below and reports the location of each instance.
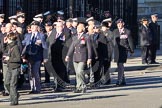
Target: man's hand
(7, 58)
(38, 42)
(24, 60)
(45, 60)
(5, 40)
(89, 61)
(67, 58)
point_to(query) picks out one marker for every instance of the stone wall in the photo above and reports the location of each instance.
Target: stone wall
(147, 7)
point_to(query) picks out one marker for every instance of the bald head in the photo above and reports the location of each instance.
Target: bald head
(8, 27)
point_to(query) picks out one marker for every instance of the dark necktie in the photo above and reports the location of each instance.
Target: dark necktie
(57, 35)
(33, 38)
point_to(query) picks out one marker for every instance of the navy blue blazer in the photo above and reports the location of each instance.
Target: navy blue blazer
(38, 49)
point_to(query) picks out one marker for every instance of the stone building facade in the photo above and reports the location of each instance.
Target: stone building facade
(147, 7)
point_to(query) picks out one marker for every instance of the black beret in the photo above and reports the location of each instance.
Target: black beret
(48, 23)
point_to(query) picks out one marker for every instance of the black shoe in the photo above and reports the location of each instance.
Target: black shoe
(92, 85)
(18, 95)
(58, 90)
(5, 94)
(83, 90)
(36, 92)
(144, 62)
(13, 104)
(46, 81)
(122, 83)
(77, 91)
(33, 92)
(154, 62)
(108, 82)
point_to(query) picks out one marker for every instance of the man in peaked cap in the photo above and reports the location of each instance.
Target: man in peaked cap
(145, 37)
(107, 33)
(75, 22)
(21, 21)
(154, 27)
(13, 18)
(69, 23)
(48, 28)
(108, 21)
(39, 18)
(90, 21)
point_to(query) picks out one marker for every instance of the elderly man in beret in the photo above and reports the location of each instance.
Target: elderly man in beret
(122, 45)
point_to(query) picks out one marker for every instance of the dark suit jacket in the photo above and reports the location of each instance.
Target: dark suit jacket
(81, 49)
(155, 31)
(60, 45)
(109, 42)
(122, 46)
(145, 36)
(38, 48)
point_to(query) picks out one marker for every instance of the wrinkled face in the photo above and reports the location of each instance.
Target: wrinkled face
(59, 27)
(8, 27)
(1, 20)
(120, 25)
(34, 28)
(80, 28)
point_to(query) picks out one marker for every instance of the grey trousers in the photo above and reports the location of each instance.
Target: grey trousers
(4, 76)
(80, 75)
(106, 71)
(11, 84)
(34, 76)
(120, 67)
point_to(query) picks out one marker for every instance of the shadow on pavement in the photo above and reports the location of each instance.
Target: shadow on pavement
(68, 98)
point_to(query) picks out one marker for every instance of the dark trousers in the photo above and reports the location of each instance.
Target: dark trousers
(153, 49)
(11, 84)
(95, 72)
(120, 67)
(106, 70)
(60, 69)
(34, 76)
(145, 54)
(47, 76)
